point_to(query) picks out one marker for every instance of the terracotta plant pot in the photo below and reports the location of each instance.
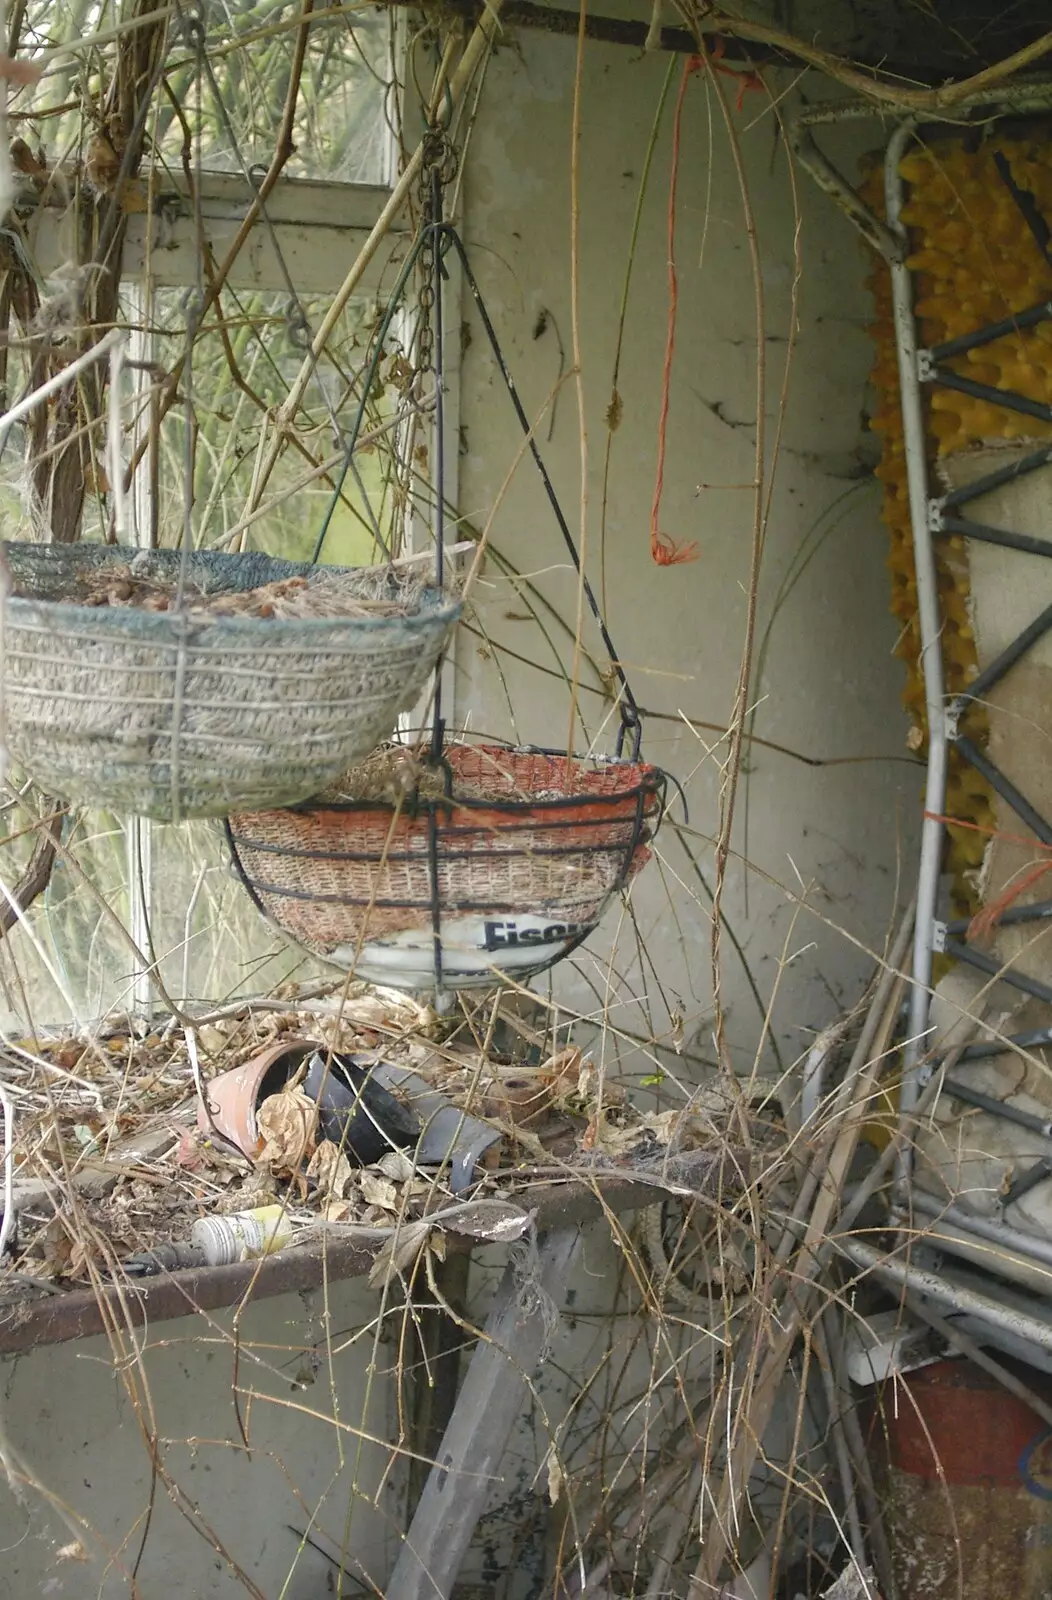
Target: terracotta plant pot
(234, 1096)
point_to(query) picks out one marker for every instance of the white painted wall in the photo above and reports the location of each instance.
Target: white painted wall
(829, 689)
(830, 685)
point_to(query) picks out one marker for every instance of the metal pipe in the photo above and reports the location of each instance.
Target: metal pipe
(989, 535)
(885, 996)
(957, 1241)
(904, 1274)
(930, 633)
(1036, 912)
(998, 969)
(36, 397)
(826, 176)
(975, 1353)
(999, 1233)
(1036, 1039)
(997, 1108)
(1038, 1173)
(1005, 788)
(878, 1537)
(848, 1489)
(1023, 97)
(1009, 656)
(991, 331)
(812, 1083)
(995, 397)
(997, 480)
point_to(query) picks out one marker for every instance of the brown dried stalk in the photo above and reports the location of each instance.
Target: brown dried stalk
(37, 875)
(870, 84)
(768, 1345)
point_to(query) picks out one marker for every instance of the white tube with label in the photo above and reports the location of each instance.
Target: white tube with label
(244, 1236)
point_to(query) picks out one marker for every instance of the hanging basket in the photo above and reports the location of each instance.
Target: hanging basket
(506, 871)
(180, 713)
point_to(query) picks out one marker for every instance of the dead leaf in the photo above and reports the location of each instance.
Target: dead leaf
(71, 1552)
(386, 1008)
(588, 1082)
(499, 1222)
(331, 1170)
(555, 1476)
(621, 1138)
(379, 1191)
(288, 1126)
(188, 1152)
(565, 1064)
(397, 1165)
(854, 1584)
(81, 1254)
(338, 1211)
(399, 1253)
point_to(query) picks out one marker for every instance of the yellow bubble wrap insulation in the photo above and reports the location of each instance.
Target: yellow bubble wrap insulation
(974, 261)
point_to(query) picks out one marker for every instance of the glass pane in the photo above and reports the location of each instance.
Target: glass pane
(69, 962)
(243, 364)
(206, 937)
(72, 961)
(231, 107)
(193, 429)
(339, 131)
(209, 940)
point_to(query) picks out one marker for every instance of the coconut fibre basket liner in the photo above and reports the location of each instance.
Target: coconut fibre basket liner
(510, 872)
(172, 715)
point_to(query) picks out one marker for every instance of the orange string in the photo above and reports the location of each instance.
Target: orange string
(985, 921)
(663, 550)
(983, 827)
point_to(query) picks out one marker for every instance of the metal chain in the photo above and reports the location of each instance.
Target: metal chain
(439, 158)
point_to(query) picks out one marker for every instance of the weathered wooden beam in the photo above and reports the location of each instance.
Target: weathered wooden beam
(78, 1314)
(491, 1399)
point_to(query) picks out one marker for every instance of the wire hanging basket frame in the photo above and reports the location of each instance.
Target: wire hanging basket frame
(506, 873)
(177, 712)
(176, 715)
(508, 867)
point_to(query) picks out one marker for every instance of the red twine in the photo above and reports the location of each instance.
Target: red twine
(985, 921)
(664, 552)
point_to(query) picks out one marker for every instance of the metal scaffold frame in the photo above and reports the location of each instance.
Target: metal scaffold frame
(933, 517)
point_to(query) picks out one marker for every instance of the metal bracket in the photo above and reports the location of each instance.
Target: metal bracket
(936, 514)
(938, 937)
(926, 368)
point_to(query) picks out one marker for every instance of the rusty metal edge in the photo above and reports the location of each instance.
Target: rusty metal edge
(83, 1313)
